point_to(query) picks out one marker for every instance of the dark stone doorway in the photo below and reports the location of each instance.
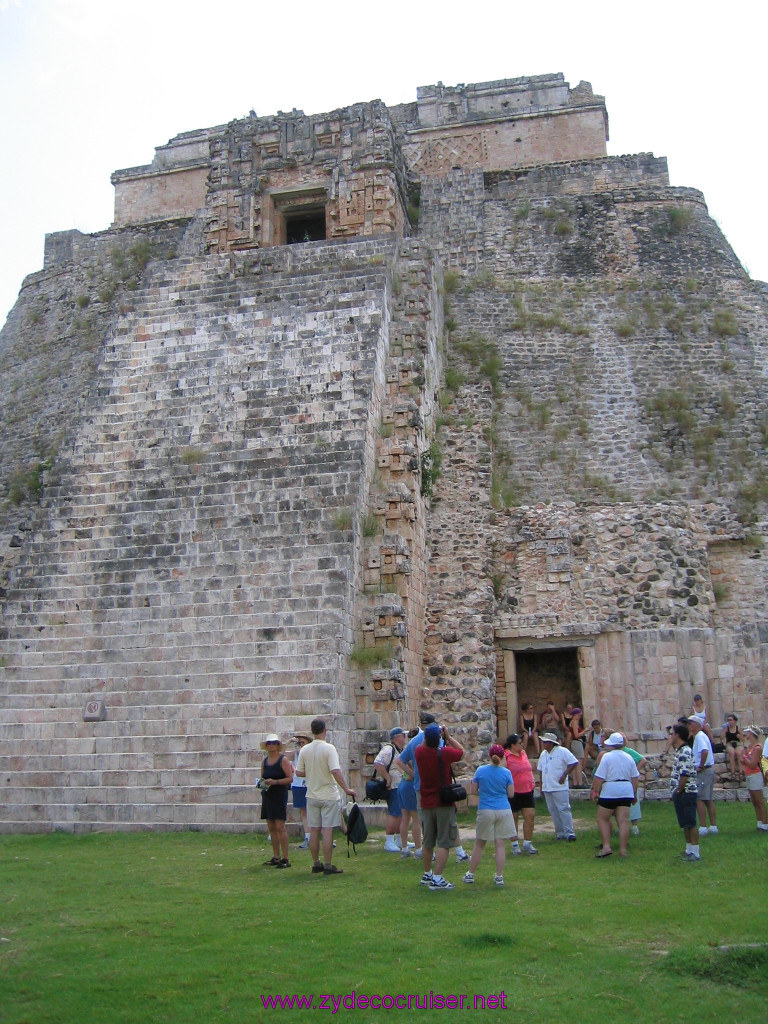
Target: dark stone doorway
(544, 675)
(307, 226)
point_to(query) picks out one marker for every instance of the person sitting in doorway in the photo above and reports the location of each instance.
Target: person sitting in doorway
(529, 729)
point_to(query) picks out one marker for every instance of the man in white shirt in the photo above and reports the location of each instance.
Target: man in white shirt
(705, 776)
(555, 766)
(318, 763)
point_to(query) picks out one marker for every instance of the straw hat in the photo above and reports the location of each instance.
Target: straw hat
(272, 738)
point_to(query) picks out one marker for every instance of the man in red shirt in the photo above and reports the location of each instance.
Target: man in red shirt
(438, 821)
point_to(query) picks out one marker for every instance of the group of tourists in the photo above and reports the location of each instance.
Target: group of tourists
(693, 772)
(416, 772)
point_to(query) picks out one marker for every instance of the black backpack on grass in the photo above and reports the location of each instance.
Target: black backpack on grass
(357, 830)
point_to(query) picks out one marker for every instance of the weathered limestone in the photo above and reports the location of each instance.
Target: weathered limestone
(221, 423)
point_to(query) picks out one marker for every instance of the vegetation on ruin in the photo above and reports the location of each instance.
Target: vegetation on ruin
(431, 468)
(366, 657)
(704, 433)
(342, 519)
(190, 926)
(192, 456)
(369, 525)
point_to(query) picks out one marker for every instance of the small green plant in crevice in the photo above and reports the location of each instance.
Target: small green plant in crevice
(371, 657)
(505, 491)
(342, 519)
(192, 456)
(728, 406)
(674, 221)
(369, 525)
(483, 355)
(82, 301)
(725, 324)
(673, 406)
(431, 468)
(721, 592)
(414, 204)
(453, 379)
(451, 281)
(497, 582)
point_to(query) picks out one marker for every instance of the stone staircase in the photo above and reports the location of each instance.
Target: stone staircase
(191, 576)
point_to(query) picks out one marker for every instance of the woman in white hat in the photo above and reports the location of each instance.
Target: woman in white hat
(276, 778)
(614, 788)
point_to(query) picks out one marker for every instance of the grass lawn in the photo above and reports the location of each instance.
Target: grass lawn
(189, 927)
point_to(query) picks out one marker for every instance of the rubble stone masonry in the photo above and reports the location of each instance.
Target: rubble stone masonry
(352, 414)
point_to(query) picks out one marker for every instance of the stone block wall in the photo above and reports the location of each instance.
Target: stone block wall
(195, 564)
(628, 350)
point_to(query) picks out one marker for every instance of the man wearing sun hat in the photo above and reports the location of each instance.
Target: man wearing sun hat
(555, 767)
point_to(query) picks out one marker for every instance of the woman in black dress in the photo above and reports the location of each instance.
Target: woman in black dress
(275, 783)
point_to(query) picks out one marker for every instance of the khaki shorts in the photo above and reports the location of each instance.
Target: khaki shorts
(439, 827)
(705, 780)
(755, 782)
(323, 813)
(493, 825)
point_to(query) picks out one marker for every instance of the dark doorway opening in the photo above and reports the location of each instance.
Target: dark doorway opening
(548, 675)
(307, 226)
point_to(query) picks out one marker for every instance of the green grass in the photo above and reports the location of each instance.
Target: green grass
(189, 927)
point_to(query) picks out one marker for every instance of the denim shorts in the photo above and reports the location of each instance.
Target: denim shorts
(685, 806)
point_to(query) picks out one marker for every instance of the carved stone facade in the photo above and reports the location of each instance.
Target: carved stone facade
(222, 423)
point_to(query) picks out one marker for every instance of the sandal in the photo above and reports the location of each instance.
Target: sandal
(283, 863)
(604, 853)
(272, 862)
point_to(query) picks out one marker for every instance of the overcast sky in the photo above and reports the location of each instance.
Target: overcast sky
(90, 86)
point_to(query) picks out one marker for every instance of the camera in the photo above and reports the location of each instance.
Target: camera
(261, 783)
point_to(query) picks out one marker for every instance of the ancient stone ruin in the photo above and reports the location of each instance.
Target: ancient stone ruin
(352, 414)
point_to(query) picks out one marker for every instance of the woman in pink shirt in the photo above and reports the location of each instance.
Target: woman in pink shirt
(523, 801)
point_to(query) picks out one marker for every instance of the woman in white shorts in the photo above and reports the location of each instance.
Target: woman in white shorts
(493, 782)
(751, 756)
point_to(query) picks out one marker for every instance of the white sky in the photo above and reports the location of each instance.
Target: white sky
(90, 86)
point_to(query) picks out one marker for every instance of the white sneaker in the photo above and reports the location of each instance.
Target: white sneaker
(635, 830)
(443, 885)
(498, 880)
(305, 844)
(417, 853)
(411, 846)
(406, 853)
(461, 857)
(516, 851)
(469, 878)
(703, 831)
(714, 830)
(530, 849)
(426, 878)
(391, 847)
